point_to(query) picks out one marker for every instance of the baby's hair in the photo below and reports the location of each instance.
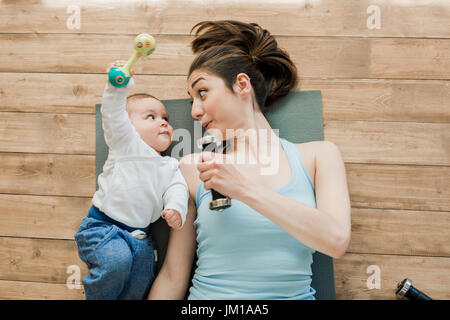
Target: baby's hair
(139, 96)
(227, 48)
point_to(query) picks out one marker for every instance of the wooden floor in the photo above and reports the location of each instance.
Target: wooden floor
(386, 104)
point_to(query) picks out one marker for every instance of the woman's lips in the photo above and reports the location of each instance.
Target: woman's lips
(208, 125)
(205, 124)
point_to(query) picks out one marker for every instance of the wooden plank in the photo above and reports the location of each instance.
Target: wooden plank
(391, 142)
(75, 93)
(47, 174)
(300, 18)
(399, 186)
(38, 260)
(424, 233)
(417, 59)
(428, 274)
(369, 58)
(47, 133)
(315, 57)
(23, 290)
(41, 216)
(355, 99)
(54, 93)
(370, 185)
(373, 230)
(383, 100)
(78, 53)
(359, 141)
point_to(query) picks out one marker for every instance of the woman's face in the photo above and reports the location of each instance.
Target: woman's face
(215, 105)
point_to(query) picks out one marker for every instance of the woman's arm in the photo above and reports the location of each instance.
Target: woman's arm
(325, 228)
(173, 279)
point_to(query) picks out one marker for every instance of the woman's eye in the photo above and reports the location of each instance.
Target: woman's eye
(151, 116)
(201, 93)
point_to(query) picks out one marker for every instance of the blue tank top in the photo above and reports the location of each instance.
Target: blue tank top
(243, 255)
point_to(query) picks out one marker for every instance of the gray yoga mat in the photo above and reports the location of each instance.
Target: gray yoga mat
(298, 117)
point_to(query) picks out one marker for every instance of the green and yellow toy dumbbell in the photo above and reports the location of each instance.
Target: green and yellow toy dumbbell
(144, 45)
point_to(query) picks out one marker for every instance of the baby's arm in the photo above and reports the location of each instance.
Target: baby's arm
(117, 126)
(176, 197)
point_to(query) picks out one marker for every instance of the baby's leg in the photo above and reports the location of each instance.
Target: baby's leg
(109, 259)
(143, 270)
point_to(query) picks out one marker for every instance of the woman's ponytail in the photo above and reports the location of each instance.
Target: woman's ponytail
(227, 48)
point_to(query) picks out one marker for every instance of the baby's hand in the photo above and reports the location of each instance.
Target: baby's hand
(173, 218)
(117, 63)
(121, 63)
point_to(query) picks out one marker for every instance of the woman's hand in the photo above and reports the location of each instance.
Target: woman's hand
(219, 174)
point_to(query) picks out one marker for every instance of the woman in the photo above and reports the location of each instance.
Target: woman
(261, 247)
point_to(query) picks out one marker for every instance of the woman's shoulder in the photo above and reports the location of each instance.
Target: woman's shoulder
(313, 151)
(316, 146)
(188, 167)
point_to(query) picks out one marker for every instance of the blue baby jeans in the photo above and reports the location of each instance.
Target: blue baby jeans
(120, 266)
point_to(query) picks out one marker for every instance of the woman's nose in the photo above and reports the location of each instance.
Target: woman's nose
(196, 111)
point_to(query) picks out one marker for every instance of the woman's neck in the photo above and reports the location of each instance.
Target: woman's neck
(256, 141)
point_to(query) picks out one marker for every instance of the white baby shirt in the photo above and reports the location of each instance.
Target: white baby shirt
(137, 183)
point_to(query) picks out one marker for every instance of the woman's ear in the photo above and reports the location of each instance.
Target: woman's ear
(242, 85)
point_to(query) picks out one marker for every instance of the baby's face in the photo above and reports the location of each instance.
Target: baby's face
(151, 121)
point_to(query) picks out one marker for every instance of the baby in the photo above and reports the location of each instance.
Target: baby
(136, 187)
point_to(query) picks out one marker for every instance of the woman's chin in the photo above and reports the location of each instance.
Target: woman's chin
(215, 132)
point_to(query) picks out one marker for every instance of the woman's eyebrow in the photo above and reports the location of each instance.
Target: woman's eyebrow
(195, 82)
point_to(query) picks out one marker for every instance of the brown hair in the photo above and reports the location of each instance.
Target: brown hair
(139, 96)
(227, 48)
